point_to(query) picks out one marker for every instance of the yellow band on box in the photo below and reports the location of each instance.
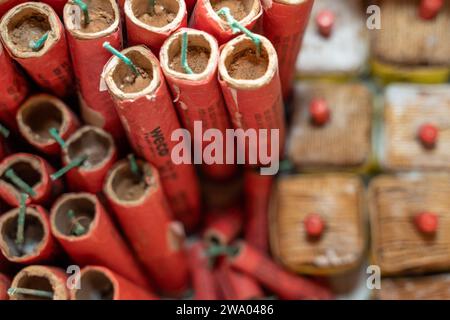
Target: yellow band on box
(390, 73)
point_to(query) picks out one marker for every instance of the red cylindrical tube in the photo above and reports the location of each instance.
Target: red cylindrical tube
(5, 283)
(202, 276)
(13, 91)
(38, 115)
(98, 242)
(89, 58)
(50, 65)
(190, 4)
(57, 5)
(33, 170)
(257, 190)
(145, 217)
(6, 5)
(205, 18)
(236, 285)
(223, 226)
(48, 279)
(284, 284)
(198, 96)
(149, 117)
(101, 152)
(252, 92)
(100, 283)
(284, 24)
(152, 30)
(38, 245)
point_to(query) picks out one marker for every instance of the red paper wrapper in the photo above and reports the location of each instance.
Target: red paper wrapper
(284, 24)
(223, 226)
(149, 118)
(254, 103)
(100, 283)
(257, 190)
(152, 36)
(39, 114)
(44, 278)
(190, 4)
(236, 285)
(198, 96)
(50, 66)
(5, 283)
(284, 284)
(39, 245)
(145, 217)
(203, 281)
(35, 171)
(5, 5)
(89, 58)
(13, 91)
(204, 18)
(101, 244)
(99, 147)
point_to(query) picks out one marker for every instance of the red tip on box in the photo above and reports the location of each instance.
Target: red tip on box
(427, 222)
(428, 135)
(314, 225)
(429, 9)
(319, 111)
(325, 22)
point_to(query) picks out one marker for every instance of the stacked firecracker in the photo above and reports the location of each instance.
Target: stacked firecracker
(91, 93)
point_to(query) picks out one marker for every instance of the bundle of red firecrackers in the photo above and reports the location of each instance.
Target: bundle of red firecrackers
(93, 205)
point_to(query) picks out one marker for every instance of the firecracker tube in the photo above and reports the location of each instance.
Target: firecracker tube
(257, 190)
(34, 243)
(84, 229)
(100, 153)
(202, 276)
(151, 24)
(223, 226)
(192, 79)
(100, 283)
(89, 58)
(284, 24)
(149, 119)
(236, 285)
(190, 4)
(5, 5)
(253, 94)
(43, 53)
(39, 283)
(287, 286)
(13, 91)
(40, 116)
(134, 192)
(205, 18)
(23, 172)
(5, 283)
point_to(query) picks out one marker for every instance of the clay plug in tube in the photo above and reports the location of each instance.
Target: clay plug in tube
(84, 229)
(284, 24)
(39, 283)
(24, 172)
(85, 35)
(136, 83)
(34, 37)
(42, 118)
(99, 151)
(14, 89)
(25, 236)
(150, 22)
(248, 74)
(100, 283)
(133, 190)
(189, 61)
(5, 283)
(205, 17)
